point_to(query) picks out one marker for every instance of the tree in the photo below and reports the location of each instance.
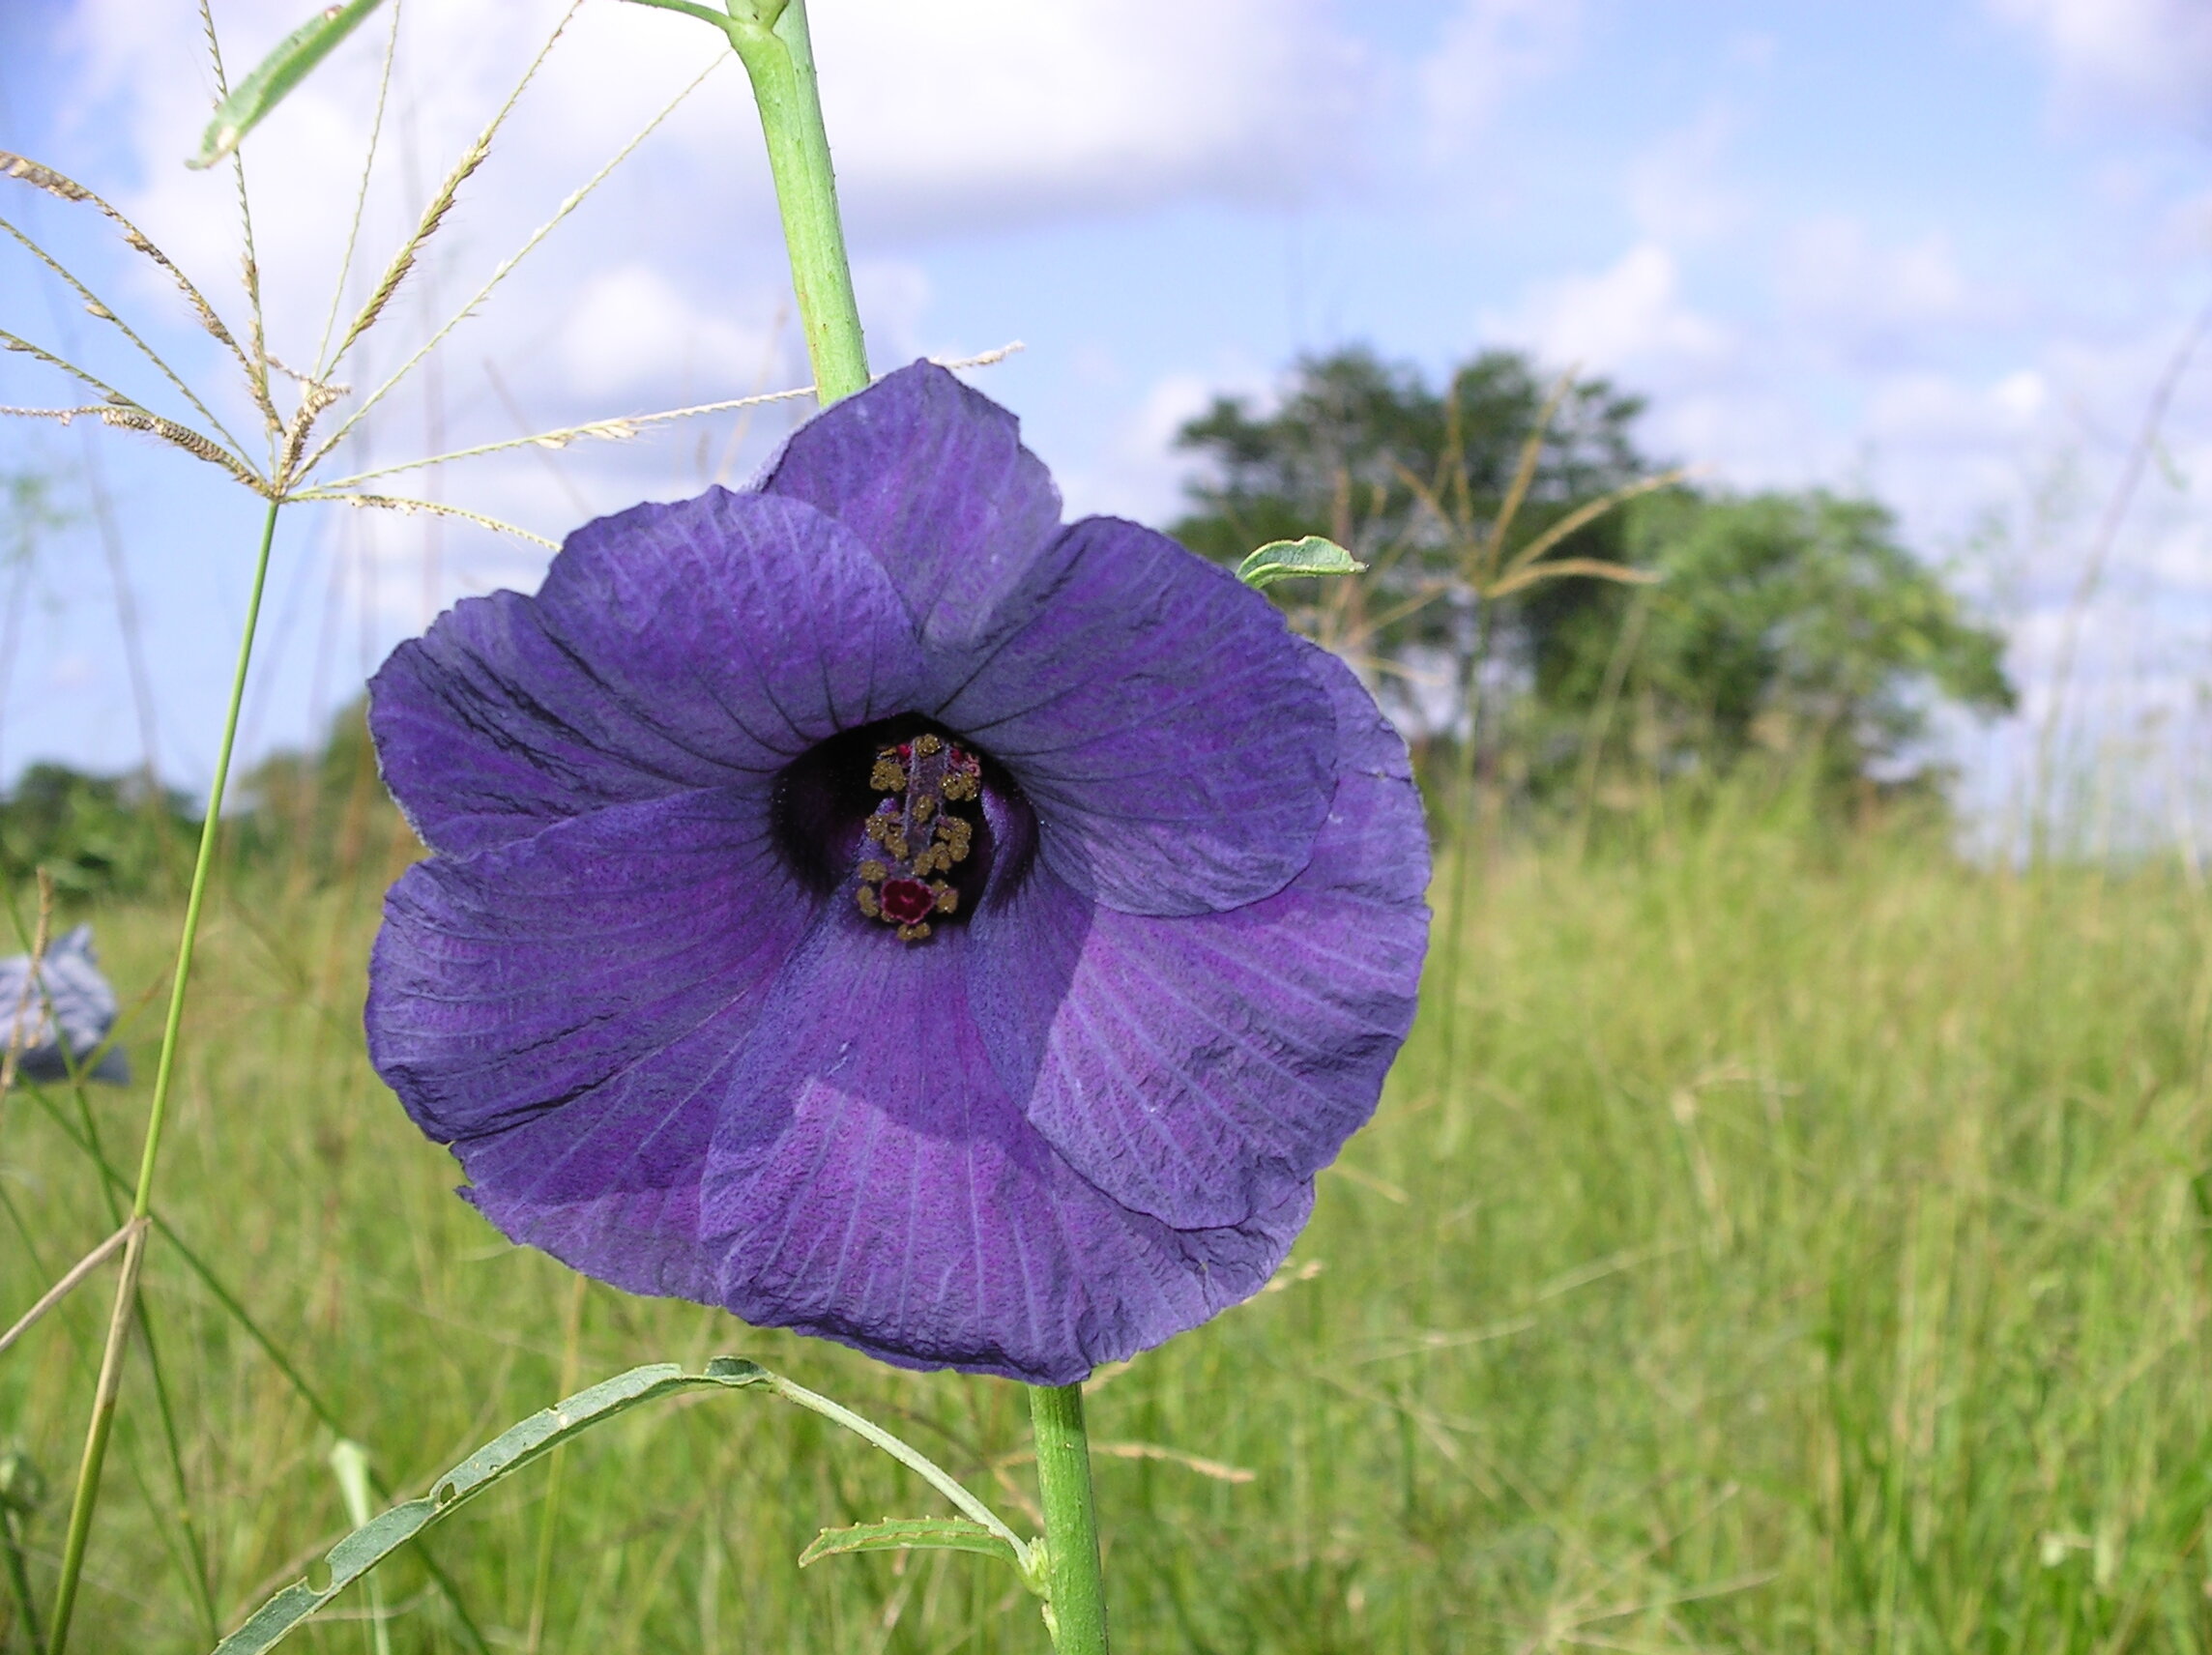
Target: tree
(1410, 480)
(1778, 619)
(93, 835)
(1782, 622)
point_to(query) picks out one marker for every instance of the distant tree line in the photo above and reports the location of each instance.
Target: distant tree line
(1538, 588)
(320, 812)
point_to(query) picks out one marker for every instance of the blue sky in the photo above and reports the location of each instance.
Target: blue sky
(1940, 250)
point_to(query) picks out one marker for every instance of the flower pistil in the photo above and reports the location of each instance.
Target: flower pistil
(916, 836)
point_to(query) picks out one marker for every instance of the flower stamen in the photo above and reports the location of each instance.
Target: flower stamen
(917, 835)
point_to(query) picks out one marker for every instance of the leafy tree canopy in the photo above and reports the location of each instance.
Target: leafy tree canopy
(1510, 523)
(93, 835)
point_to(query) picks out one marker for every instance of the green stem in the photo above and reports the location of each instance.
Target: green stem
(772, 41)
(1077, 1611)
(780, 61)
(87, 1494)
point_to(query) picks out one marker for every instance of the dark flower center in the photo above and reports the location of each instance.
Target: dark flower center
(906, 820)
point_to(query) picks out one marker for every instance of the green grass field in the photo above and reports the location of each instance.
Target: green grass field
(1799, 1243)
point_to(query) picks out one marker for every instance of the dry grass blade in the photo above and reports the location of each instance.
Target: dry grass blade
(616, 430)
(400, 503)
(442, 202)
(403, 261)
(18, 1034)
(76, 1273)
(1425, 494)
(257, 353)
(987, 359)
(97, 308)
(46, 178)
(1524, 471)
(1598, 568)
(121, 411)
(499, 275)
(315, 396)
(63, 415)
(1585, 515)
(129, 416)
(360, 195)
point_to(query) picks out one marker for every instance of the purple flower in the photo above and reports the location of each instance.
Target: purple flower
(869, 905)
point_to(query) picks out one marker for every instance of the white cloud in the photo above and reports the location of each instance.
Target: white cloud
(1487, 48)
(631, 332)
(1138, 472)
(1935, 414)
(1676, 192)
(1008, 108)
(939, 116)
(1630, 316)
(2123, 53)
(1863, 299)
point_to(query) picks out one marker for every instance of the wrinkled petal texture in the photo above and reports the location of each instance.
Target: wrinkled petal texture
(884, 1189)
(1083, 1119)
(1172, 734)
(563, 1011)
(673, 647)
(1195, 1069)
(933, 478)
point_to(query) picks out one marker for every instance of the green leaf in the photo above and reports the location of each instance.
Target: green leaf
(1283, 560)
(909, 1533)
(276, 75)
(367, 1546)
(504, 1454)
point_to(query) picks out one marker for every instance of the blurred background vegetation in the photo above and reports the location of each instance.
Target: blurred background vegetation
(1782, 1232)
(1658, 627)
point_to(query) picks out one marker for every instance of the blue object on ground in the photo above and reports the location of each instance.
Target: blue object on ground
(65, 1001)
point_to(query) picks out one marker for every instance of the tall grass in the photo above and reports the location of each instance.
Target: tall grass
(1809, 1254)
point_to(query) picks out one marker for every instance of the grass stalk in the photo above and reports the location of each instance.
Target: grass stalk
(86, 1496)
(549, 1520)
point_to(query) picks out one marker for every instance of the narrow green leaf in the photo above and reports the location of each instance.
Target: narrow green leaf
(276, 75)
(909, 1533)
(508, 1452)
(1283, 560)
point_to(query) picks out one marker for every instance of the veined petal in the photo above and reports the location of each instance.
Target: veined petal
(704, 644)
(560, 1010)
(1162, 720)
(905, 1207)
(1195, 1069)
(933, 478)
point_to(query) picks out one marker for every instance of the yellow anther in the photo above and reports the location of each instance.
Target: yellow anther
(913, 933)
(874, 871)
(887, 777)
(925, 745)
(865, 897)
(947, 899)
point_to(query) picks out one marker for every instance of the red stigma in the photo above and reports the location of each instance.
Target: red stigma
(907, 902)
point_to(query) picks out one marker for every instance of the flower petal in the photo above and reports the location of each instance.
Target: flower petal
(1161, 718)
(933, 478)
(904, 1205)
(1194, 1070)
(563, 1011)
(698, 645)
